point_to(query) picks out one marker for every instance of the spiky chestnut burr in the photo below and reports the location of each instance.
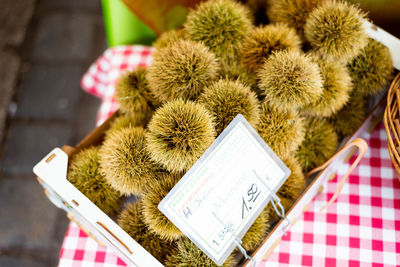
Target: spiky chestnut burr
(258, 9)
(178, 134)
(372, 68)
(292, 187)
(262, 41)
(290, 79)
(124, 121)
(256, 232)
(125, 162)
(84, 173)
(181, 70)
(292, 12)
(169, 37)
(133, 94)
(283, 131)
(188, 254)
(225, 99)
(156, 221)
(130, 220)
(237, 72)
(221, 25)
(296, 182)
(347, 120)
(319, 144)
(336, 91)
(335, 29)
(286, 204)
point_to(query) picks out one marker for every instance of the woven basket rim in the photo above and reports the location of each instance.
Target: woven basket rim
(391, 121)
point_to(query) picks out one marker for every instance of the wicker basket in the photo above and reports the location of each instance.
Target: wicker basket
(391, 121)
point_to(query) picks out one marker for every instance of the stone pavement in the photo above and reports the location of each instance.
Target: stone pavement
(45, 47)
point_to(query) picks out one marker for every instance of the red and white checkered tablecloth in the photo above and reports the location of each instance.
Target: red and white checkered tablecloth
(362, 228)
(101, 77)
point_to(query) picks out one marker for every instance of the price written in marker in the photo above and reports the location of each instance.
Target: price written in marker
(253, 193)
(222, 194)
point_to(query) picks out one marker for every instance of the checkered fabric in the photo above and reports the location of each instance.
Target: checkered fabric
(362, 228)
(101, 77)
(80, 250)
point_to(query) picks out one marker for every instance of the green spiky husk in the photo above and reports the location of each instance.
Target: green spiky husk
(181, 70)
(169, 37)
(133, 94)
(221, 25)
(178, 134)
(236, 72)
(84, 173)
(319, 144)
(336, 92)
(372, 68)
(286, 204)
(290, 80)
(261, 42)
(296, 182)
(125, 162)
(283, 131)
(335, 29)
(188, 254)
(292, 187)
(225, 99)
(124, 121)
(131, 221)
(257, 232)
(292, 12)
(156, 221)
(347, 120)
(258, 8)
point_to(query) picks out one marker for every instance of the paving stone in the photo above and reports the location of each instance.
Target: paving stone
(27, 217)
(19, 262)
(50, 5)
(9, 69)
(60, 231)
(63, 36)
(14, 18)
(50, 92)
(99, 44)
(63, 39)
(28, 143)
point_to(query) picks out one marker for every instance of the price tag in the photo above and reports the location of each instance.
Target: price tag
(226, 189)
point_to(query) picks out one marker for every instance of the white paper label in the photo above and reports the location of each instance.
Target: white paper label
(226, 190)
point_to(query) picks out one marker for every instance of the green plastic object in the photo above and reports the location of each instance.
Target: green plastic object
(123, 27)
